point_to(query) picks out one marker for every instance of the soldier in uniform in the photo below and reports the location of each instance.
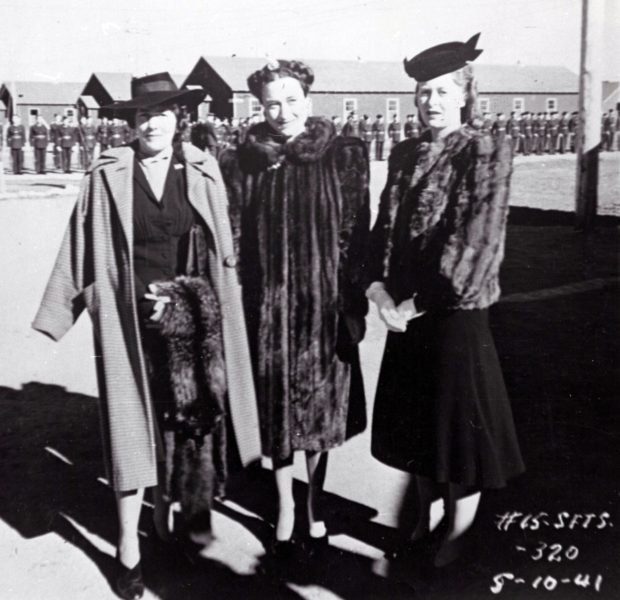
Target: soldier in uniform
(513, 127)
(526, 133)
(351, 128)
(117, 133)
(378, 134)
(499, 128)
(573, 126)
(103, 134)
(542, 133)
(412, 127)
(563, 133)
(39, 139)
(553, 130)
(394, 130)
(15, 140)
(607, 133)
(365, 128)
(68, 138)
(88, 141)
(55, 140)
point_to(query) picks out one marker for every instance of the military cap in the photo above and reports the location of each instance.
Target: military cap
(444, 58)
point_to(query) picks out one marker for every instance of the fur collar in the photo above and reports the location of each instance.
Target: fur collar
(265, 149)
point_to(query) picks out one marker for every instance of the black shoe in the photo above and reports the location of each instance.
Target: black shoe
(283, 550)
(316, 546)
(129, 582)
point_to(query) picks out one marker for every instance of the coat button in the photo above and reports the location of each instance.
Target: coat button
(230, 261)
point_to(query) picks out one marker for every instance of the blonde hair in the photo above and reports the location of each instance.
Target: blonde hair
(464, 78)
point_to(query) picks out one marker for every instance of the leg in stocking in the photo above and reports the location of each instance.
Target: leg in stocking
(316, 464)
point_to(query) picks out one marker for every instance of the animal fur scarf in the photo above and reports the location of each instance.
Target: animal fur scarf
(195, 431)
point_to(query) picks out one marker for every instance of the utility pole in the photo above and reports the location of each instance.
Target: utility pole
(590, 113)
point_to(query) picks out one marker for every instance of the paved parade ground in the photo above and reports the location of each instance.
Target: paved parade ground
(558, 336)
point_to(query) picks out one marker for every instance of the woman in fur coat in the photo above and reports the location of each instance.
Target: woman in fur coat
(149, 215)
(300, 206)
(441, 410)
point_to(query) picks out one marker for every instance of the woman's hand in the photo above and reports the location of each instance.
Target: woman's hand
(388, 312)
(407, 310)
(160, 303)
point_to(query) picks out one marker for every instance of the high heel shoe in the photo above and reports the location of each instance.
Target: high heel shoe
(283, 549)
(129, 582)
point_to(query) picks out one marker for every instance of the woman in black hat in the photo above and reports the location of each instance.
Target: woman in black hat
(441, 411)
(147, 215)
(299, 196)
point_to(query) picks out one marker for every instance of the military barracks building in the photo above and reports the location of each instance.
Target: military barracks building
(29, 99)
(366, 87)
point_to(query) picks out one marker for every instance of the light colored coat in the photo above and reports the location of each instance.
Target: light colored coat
(94, 270)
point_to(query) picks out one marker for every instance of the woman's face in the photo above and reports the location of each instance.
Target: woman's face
(286, 106)
(439, 102)
(155, 128)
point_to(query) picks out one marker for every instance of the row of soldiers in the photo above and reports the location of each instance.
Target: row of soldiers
(547, 132)
(64, 134)
(378, 131)
(529, 133)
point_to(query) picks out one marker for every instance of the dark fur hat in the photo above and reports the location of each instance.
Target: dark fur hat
(444, 58)
(277, 69)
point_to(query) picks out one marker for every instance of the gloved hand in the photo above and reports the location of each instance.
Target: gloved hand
(160, 303)
(407, 310)
(387, 309)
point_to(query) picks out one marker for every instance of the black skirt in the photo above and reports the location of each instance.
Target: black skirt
(441, 408)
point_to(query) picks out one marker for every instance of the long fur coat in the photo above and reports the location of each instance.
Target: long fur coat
(300, 215)
(442, 221)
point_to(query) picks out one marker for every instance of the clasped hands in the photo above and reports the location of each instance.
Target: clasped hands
(395, 317)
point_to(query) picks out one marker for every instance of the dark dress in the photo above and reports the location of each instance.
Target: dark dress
(300, 210)
(441, 408)
(193, 440)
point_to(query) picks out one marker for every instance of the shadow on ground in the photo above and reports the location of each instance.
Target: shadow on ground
(41, 422)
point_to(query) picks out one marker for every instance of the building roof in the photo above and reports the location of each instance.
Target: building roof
(89, 102)
(510, 79)
(118, 85)
(44, 92)
(383, 76)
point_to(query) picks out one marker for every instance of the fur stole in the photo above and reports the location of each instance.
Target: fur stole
(265, 149)
(195, 435)
(442, 219)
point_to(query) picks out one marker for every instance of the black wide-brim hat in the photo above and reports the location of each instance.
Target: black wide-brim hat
(442, 59)
(156, 90)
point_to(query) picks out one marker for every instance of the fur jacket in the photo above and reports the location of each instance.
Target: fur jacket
(440, 232)
(300, 214)
(195, 430)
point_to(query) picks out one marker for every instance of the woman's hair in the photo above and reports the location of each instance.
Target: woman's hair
(277, 70)
(464, 78)
(130, 117)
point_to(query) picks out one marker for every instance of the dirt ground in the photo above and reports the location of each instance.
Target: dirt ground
(557, 331)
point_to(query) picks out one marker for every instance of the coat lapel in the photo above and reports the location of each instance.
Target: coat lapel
(197, 198)
(119, 177)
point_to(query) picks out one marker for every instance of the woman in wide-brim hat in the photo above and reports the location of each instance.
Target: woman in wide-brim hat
(299, 198)
(441, 410)
(148, 213)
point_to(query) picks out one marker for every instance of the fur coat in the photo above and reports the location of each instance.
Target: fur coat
(442, 220)
(300, 215)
